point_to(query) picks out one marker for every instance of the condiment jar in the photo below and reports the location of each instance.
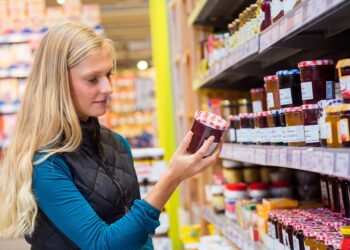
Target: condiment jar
(324, 190)
(258, 96)
(289, 88)
(317, 80)
(332, 119)
(227, 108)
(295, 126)
(344, 125)
(251, 174)
(272, 92)
(232, 172)
(311, 128)
(281, 189)
(344, 192)
(274, 123)
(264, 135)
(205, 125)
(233, 193)
(343, 67)
(234, 127)
(284, 127)
(244, 106)
(217, 198)
(258, 191)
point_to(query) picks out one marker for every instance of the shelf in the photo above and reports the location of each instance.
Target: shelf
(14, 73)
(319, 160)
(138, 153)
(231, 230)
(9, 108)
(20, 37)
(315, 29)
(217, 13)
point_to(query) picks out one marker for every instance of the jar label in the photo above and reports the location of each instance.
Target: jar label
(330, 138)
(311, 134)
(325, 200)
(341, 201)
(285, 134)
(232, 134)
(306, 91)
(211, 149)
(257, 106)
(329, 90)
(286, 96)
(270, 101)
(269, 134)
(257, 135)
(278, 134)
(324, 130)
(295, 134)
(253, 135)
(296, 243)
(263, 135)
(344, 130)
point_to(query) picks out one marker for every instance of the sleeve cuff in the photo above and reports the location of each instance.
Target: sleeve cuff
(154, 212)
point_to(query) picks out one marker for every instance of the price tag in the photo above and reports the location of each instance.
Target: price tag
(296, 159)
(342, 164)
(289, 158)
(317, 161)
(298, 17)
(311, 10)
(283, 27)
(283, 157)
(275, 34)
(265, 40)
(328, 162)
(275, 157)
(306, 159)
(260, 156)
(251, 154)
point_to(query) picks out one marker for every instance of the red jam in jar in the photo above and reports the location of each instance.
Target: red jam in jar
(205, 125)
(311, 128)
(317, 80)
(289, 88)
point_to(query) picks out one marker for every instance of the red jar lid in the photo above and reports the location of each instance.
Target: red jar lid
(309, 106)
(257, 90)
(270, 78)
(233, 117)
(292, 109)
(258, 186)
(236, 187)
(315, 63)
(243, 115)
(211, 120)
(257, 114)
(264, 113)
(280, 184)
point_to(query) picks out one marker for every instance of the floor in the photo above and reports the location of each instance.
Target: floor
(17, 244)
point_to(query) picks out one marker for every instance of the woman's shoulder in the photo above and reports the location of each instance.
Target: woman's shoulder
(45, 162)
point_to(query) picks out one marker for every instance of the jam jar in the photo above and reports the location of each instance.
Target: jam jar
(345, 190)
(311, 129)
(272, 92)
(263, 129)
(344, 125)
(343, 67)
(258, 96)
(317, 80)
(205, 125)
(246, 129)
(265, 7)
(274, 123)
(295, 126)
(234, 127)
(324, 190)
(289, 88)
(284, 127)
(332, 119)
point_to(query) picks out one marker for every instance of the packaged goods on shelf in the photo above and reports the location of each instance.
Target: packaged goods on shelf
(272, 92)
(343, 67)
(258, 97)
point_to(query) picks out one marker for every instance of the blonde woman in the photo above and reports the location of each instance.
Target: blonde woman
(67, 182)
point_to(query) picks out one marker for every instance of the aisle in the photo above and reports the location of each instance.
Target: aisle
(17, 244)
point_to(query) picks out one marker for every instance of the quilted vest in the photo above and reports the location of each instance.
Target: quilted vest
(103, 172)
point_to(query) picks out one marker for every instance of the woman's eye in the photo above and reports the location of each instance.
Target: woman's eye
(93, 80)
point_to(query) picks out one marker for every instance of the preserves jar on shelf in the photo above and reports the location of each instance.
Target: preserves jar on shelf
(256, 128)
(264, 135)
(317, 80)
(227, 108)
(258, 191)
(251, 174)
(344, 191)
(243, 106)
(274, 123)
(272, 92)
(324, 190)
(281, 189)
(233, 193)
(344, 124)
(295, 126)
(310, 239)
(332, 119)
(333, 185)
(258, 96)
(234, 127)
(284, 127)
(205, 125)
(311, 129)
(266, 14)
(217, 198)
(343, 67)
(232, 172)
(289, 88)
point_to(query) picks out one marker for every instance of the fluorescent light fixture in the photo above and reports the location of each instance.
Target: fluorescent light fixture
(142, 65)
(61, 2)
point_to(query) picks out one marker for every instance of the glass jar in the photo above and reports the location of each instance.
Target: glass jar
(233, 193)
(258, 191)
(205, 125)
(324, 190)
(289, 88)
(244, 106)
(322, 123)
(284, 127)
(343, 67)
(272, 92)
(344, 189)
(310, 239)
(311, 129)
(295, 126)
(258, 96)
(266, 14)
(234, 126)
(251, 174)
(332, 119)
(232, 172)
(344, 125)
(274, 123)
(317, 80)
(257, 132)
(227, 108)
(217, 198)
(244, 131)
(333, 184)
(264, 129)
(281, 189)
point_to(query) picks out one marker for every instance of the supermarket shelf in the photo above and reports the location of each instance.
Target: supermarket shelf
(217, 13)
(138, 153)
(9, 108)
(231, 230)
(20, 37)
(15, 73)
(319, 160)
(316, 28)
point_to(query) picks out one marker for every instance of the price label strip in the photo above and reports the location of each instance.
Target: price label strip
(342, 164)
(283, 157)
(296, 159)
(328, 162)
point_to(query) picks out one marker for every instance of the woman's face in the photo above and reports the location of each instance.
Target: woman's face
(91, 84)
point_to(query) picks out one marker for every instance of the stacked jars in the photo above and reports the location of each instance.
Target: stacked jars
(272, 92)
(295, 126)
(289, 88)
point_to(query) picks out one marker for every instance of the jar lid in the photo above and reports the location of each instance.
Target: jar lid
(343, 63)
(256, 114)
(224, 103)
(280, 184)
(345, 107)
(270, 78)
(309, 106)
(233, 117)
(236, 187)
(242, 101)
(230, 164)
(315, 63)
(345, 230)
(259, 186)
(308, 232)
(334, 102)
(264, 113)
(257, 90)
(288, 72)
(217, 189)
(292, 109)
(243, 115)
(333, 109)
(211, 120)
(274, 112)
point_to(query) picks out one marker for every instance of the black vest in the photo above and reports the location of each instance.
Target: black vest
(103, 172)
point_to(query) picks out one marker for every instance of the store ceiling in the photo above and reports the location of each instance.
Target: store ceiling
(126, 22)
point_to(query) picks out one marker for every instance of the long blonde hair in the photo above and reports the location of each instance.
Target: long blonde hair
(47, 122)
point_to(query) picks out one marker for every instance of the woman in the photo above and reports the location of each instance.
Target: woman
(66, 182)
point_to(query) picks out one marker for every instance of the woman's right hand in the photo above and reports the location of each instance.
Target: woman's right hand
(183, 165)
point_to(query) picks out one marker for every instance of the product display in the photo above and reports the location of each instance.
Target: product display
(272, 92)
(289, 88)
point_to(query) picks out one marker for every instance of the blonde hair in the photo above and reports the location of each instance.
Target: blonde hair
(47, 122)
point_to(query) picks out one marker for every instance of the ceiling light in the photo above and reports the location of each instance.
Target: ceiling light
(142, 65)
(61, 2)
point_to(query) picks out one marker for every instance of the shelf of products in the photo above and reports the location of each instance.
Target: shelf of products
(231, 230)
(319, 160)
(299, 33)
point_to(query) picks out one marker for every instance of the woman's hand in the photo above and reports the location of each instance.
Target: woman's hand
(183, 165)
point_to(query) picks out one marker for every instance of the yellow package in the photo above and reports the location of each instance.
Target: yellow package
(278, 203)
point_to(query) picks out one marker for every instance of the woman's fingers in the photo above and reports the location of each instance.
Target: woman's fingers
(211, 160)
(203, 150)
(182, 149)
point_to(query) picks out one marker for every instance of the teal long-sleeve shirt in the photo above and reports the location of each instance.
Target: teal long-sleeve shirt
(60, 200)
